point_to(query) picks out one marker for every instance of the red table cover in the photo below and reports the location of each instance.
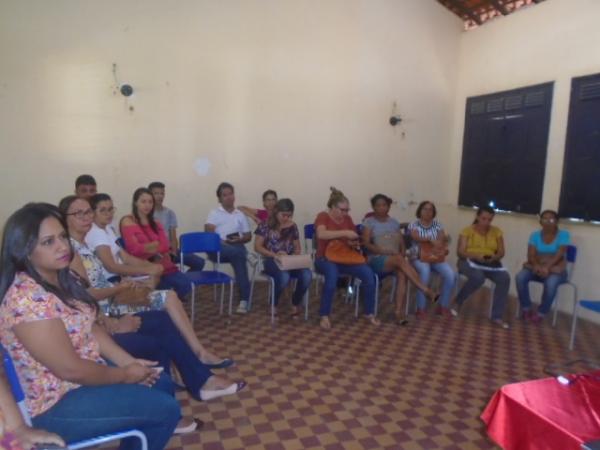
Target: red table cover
(544, 414)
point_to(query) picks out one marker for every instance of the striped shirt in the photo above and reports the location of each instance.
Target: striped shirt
(432, 232)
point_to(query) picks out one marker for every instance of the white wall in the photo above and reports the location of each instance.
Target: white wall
(290, 95)
(552, 41)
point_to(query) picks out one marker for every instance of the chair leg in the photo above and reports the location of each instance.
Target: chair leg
(230, 297)
(356, 288)
(573, 325)
(407, 302)
(272, 299)
(193, 302)
(306, 304)
(222, 298)
(376, 293)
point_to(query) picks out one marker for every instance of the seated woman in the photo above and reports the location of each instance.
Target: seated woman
(15, 434)
(546, 263)
(480, 250)
(47, 324)
(382, 238)
(336, 224)
(269, 198)
(280, 236)
(79, 219)
(103, 240)
(427, 231)
(146, 239)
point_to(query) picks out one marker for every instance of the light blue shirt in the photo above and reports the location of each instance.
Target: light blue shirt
(562, 238)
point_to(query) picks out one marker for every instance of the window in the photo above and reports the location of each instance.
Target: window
(504, 149)
(580, 191)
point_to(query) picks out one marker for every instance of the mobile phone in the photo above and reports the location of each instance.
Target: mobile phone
(231, 236)
(158, 369)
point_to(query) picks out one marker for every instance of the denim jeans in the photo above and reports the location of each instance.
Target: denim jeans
(331, 272)
(448, 281)
(282, 278)
(235, 254)
(476, 278)
(176, 281)
(90, 411)
(551, 284)
(158, 339)
(194, 262)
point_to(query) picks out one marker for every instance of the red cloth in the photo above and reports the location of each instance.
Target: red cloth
(325, 219)
(136, 236)
(544, 414)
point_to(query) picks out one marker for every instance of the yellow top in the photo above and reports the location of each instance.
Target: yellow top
(480, 244)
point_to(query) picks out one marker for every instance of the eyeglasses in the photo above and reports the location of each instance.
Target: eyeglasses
(550, 220)
(82, 214)
(344, 210)
(110, 210)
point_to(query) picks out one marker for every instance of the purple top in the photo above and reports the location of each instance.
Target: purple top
(278, 241)
(262, 214)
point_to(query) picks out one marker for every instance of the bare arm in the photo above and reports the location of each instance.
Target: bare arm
(210, 228)
(367, 243)
(500, 252)
(323, 233)
(250, 212)
(173, 239)
(297, 247)
(128, 225)
(47, 341)
(14, 422)
(461, 250)
(259, 247)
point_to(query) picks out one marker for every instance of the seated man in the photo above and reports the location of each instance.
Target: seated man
(233, 228)
(85, 186)
(168, 219)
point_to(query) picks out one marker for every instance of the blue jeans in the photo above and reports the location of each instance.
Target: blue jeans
(158, 339)
(331, 272)
(90, 411)
(476, 278)
(448, 281)
(551, 284)
(194, 262)
(235, 254)
(176, 281)
(282, 278)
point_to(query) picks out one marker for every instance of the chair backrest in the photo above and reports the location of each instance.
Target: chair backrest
(571, 258)
(15, 384)
(309, 235)
(199, 242)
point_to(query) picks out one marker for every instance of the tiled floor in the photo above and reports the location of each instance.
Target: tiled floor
(359, 387)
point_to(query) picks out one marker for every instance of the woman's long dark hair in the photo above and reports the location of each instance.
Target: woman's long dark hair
(283, 205)
(136, 195)
(20, 238)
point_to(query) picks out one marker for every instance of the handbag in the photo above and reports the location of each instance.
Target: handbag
(133, 296)
(293, 262)
(338, 251)
(428, 253)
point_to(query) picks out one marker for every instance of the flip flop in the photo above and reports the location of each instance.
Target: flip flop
(230, 390)
(402, 322)
(223, 364)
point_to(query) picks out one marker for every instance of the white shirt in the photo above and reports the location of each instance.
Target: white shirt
(228, 222)
(107, 236)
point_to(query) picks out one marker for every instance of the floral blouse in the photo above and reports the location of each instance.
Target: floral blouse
(278, 241)
(27, 301)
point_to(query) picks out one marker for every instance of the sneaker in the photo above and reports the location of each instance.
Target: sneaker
(420, 314)
(242, 307)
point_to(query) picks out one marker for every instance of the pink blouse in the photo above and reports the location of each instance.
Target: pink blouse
(27, 301)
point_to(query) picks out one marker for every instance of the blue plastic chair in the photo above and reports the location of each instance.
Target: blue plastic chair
(590, 305)
(19, 395)
(205, 242)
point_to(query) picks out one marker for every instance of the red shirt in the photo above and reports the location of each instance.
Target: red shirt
(136, 236)
(325, 219)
